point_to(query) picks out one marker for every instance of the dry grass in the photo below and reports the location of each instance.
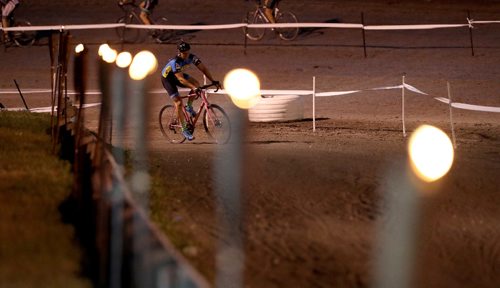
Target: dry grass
(37, 249)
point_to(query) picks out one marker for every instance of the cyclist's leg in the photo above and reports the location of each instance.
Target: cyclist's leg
(145, 12)
(171, 88)
(5, 24)
(178, 108)
(268, 10)
(7, 9)
(196, 83)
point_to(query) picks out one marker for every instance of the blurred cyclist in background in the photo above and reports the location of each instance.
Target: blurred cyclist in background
(268, 6)
(173, 76)
(269, 9)
(7, 7)
(146, 7)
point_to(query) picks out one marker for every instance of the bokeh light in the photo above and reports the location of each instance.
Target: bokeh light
(431, 153)
(143, 64)
(103, 48)
(107, 54)
(243, 86)
(123, 59)
(79, 48)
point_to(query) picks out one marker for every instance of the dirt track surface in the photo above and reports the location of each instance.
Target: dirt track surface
(312, 200)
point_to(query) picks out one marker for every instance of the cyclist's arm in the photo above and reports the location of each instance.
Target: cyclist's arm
(184, 81)
(205, 71)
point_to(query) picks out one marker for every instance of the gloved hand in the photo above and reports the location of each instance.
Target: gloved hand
(197, 91)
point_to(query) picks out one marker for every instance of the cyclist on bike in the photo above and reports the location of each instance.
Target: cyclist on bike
(7, 7)
(172, 76)
(269, 6)
(146, 7)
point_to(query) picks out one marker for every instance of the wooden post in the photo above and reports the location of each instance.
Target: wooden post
(470, 33)
(363, 32)
(451, 117)
(314, 103)
(21, 94)
(403, 106)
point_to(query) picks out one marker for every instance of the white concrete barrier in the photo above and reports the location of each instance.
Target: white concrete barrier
(277, 108)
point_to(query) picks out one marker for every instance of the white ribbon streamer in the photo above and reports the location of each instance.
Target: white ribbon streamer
(470, 22)
(469, 106)
(267, 92)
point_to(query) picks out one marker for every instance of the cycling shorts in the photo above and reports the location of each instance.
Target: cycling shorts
(9, 7)
(170, 83)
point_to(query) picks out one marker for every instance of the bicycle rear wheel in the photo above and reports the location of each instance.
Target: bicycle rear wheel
(254, 17)
(217, 124)
(129, 35)
(24, 38)
(162, 35)
(169, 124)
(287, 33)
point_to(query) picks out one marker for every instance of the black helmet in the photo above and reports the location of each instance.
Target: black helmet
(183, 47)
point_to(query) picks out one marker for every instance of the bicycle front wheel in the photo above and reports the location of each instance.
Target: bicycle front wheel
(169, 124)
(217, 124)
(128, 35)
(287, 33)
(24, 38)
(254, 17)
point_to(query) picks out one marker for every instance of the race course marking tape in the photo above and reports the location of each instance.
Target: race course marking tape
(469, 106)
(270, 92)
(470, 22)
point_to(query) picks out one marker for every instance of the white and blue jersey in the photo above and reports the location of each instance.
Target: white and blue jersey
(174, 66)
(177, 64)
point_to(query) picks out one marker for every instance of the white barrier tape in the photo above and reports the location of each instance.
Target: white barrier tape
(305, 25)
(65, 27)
(413, 89)
(48, 108)
(413, 27)
(469, 106)
(268, 92)
(42, 91)
(483, 22)
(262, 92)
(187, 27)
(240, 25)
(339, 93)
(26, 91)
(328, 94)
(387, 88)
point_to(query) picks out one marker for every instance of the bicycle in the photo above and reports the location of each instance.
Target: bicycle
(257, 16)
(215, 120)
(131, 16)
(20, 38)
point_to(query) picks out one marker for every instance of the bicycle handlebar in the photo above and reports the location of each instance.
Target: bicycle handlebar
(203, 88)
(210, 85)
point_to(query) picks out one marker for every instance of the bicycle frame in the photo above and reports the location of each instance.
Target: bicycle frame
(215, 120)
(20, 38)
(129, 7)
(260, 10)
(258, 16)
(204, 106)
(131, 15)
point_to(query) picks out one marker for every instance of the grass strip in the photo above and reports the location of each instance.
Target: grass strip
(36, 248)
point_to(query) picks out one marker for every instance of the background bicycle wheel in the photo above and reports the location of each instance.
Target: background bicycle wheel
(130, 35)
(287, 33)
(254, 17)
